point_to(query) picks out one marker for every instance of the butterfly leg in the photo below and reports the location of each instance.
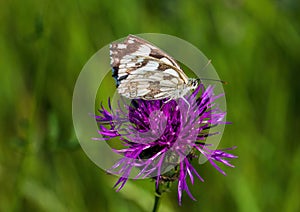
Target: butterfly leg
(170, 99)
(184, 99)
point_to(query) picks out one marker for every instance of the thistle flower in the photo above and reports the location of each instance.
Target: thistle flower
(162, 137)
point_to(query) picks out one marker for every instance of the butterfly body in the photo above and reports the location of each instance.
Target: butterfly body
(142, 70)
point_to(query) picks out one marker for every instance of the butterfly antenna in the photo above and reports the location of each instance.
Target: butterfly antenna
(215, 80)
(207, 64)
(221, 81)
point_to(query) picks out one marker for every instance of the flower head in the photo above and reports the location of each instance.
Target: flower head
(162, 137)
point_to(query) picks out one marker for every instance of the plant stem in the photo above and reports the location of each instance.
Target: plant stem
(157, 198)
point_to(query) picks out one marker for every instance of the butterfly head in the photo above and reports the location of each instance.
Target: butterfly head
(192, 83)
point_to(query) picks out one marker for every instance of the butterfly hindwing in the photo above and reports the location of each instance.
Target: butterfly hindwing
(149, 85)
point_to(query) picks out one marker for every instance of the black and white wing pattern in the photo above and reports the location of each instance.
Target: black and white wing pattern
(142, 70)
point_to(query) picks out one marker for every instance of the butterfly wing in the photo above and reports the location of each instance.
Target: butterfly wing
(150, 85)
(142, 70)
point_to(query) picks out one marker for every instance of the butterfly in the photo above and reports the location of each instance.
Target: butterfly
(143, 71)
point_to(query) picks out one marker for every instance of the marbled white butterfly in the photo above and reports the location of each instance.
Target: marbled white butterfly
(142, 70)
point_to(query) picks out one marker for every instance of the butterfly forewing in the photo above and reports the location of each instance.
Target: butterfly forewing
(142, 70)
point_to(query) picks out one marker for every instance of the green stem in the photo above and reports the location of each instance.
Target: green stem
(157, 198)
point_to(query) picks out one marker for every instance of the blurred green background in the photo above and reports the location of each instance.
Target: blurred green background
(254, 45)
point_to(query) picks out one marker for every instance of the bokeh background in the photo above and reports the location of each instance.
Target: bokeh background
(254, 45)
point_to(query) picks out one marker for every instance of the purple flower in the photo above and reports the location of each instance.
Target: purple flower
(162, 137)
